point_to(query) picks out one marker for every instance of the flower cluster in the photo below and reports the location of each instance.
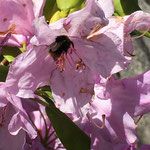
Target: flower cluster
(77, 57)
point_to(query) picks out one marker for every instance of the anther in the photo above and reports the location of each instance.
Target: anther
(120, 19)
(132, 55)
(81, 64)
(61, 63)
(84, 90)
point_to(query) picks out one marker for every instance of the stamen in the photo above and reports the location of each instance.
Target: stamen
(80, 64)
(61, 63)
(84, 90)
(103, 122)
(136, 37)
(96, 28)
(139, 119)
(68, 60)
(71, 57)
(132, 55)
(10, 30)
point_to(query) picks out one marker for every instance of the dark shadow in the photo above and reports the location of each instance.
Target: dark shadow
(148, 2)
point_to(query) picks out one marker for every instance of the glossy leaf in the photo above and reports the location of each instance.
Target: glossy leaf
(48, 8)
(72, 137)
(125, 7)
(64, 13)
(68, 4)
(3, 73)
(58, 15)
(45, 92)
(10, 53)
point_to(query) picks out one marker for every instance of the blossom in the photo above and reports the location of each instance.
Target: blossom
(18, 22)
(14, 119)
(47, 138)
(71, 75)
(122, 100)
(104, 4)
(26, 121)
(17, 141)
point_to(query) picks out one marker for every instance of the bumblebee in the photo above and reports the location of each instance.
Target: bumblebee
(60, 46)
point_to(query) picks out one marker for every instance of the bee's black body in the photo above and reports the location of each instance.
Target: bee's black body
(61, 45)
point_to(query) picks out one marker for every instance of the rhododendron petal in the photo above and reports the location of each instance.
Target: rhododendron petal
(15, 142)
(102, 56)
(3, 99)
(32, 78)
(38, 7)
(105, 4)
(133, 93)
(130, 128)
(20, 119)
(68, 93)
(22, 16)
(115, 122)
(137, 21)
(80, 23)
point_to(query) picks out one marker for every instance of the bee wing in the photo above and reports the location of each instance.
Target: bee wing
(55, 46)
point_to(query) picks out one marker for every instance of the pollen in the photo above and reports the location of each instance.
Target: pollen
(120, 19)
(61, 63)
(80, 64)
(84, 90)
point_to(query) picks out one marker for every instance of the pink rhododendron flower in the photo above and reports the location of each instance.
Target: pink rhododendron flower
(122, 100)
(15, 142)
(46, 138)
(16, 19)
(19, 112)
(104, 4)
(70, 75)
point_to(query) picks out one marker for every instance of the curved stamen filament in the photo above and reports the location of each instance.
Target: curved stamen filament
(136, 37)
(103, 122)
(139, 119)
(132, 55)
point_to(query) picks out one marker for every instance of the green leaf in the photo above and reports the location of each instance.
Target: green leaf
(45, 92)
(58, 15)
(71, 136)
(78, 7)
(3, 73)
(126, 7)
(10, 53)
(68, 4)
(48, 8)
